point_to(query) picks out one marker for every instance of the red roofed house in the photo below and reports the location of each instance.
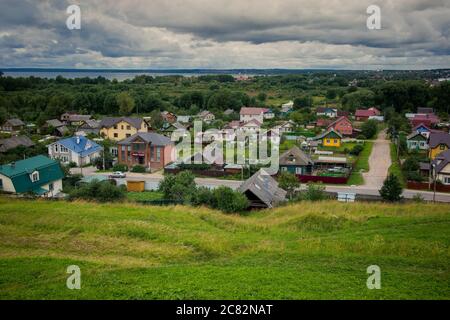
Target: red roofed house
(323, 122)
(363, 115)
(428, 120)
(248, 114)
(342, 125)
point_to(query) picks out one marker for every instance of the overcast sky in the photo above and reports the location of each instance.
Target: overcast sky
(156, 34)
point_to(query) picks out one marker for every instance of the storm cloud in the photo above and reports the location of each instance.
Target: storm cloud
(226, 34)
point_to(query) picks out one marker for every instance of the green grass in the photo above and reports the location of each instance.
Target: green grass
(145, 196)
(362, 163)
(305, 251)
(395, 166)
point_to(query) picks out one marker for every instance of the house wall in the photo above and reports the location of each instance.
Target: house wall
(7, 184)
(57, 188)
(417, 144)
(331, 142)
(122, 131)
(435, 151)
(249, 117)
(344, 127)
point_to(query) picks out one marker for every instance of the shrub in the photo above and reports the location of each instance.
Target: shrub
(369, 129)
(228, 200)
(179, 187)
(414, 176)
(120, 167)
(357, 149)
(391, 189)
(361, 137)
(289, 182)
(314, 192)
(138, 169)
(204, 196)
(102, 191)
(72, 164)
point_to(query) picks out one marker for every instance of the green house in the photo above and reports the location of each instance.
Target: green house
(417, 141)
(39, 175)
(296, 161)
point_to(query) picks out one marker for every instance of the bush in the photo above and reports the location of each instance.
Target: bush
(357, 149)
(204, 196)
(361, 137)
(414, 176)
(314, 192)
(72, 164)
(228, 200)
(138, 169)
(289, 182)
(180, 187)
(120, 167)
(102, 191)
(369, 129)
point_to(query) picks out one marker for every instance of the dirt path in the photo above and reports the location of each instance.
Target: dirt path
(379, 163)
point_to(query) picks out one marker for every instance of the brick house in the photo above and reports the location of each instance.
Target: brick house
(147, 149)
(342, 125)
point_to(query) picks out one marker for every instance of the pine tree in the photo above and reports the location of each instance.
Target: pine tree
(391, 189)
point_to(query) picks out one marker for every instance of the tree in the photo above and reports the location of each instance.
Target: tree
(126, 103)
(314, 192)
(369, 129)
(303, 102)
(179, 187)
(289, 182)
(262, 96)
(156, 120)
(391, 189)
(102, 191)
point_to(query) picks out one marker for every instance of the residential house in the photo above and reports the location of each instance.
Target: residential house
(247, 114)
(365, 114)
(425, 110)
(74, 119)
(262, 190)
(424, 130)
(430, 120)
(14, 142)
(268, 114)
(169, 128)
(330, 138)
(341, 113)
(121, 128)
(287, 107)
(441, 165)
(296, 161)
(342, 125)
(183, 119)
(168, 116)
(38, 175)
(78, 149)
(416, 141)
(285, 127)
(148, 149)
(438, 143)
(326, 112)
(58, 128)
(13, 125)
(206, 116)
(90, 126)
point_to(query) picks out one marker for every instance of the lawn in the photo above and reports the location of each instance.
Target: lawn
(361, 164)
(395, 166)
(145, 196)
(304, 251)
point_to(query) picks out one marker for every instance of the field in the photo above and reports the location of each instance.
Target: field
(362, 163)
(315, 250)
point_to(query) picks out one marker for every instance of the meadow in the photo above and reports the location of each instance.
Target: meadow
(310, 250)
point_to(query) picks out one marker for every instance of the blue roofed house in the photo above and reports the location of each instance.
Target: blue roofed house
(77, 149)
(39, 175)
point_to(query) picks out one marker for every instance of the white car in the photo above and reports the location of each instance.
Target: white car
(117, 174)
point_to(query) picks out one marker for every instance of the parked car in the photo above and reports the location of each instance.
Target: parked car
(117, 174)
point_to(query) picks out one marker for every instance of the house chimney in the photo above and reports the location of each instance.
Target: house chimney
(13, 164)
(78, 139)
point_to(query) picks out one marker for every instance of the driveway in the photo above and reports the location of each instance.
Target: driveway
(379, 163)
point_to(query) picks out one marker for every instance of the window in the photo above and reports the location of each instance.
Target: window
(122, 154)
(115, 135)
(446, 180)
(35, 176)
(298, 170)
(115, 127)
(442, 146)
(335, 141)
(121, 127)
(128, 127)
(51, 187)
(158, 154)
(1, 184)
(128, 135)
(56, 148)
(64, 149)
(283, 169)
(328, 140)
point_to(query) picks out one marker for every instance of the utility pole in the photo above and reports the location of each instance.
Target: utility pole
(434, 182)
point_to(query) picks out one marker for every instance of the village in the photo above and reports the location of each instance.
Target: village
(327, 151)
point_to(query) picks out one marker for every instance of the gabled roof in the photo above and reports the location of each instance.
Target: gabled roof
(20, 171)
(91, 124)
(252, 111)
(421, 125)
(416, 134)
(252, 122)
(79, 117)
(432, 118)
(14, 142)
(204, 113)
(442, 160)
(108, 122)
(325, 109)
(263, 186)
(14, 122)
(149, 137)
(425, 110)
(437, 138)
(366, 113)
(79, 144)
(295, 156)
(330, 133)
(55, 123)
(343, 118)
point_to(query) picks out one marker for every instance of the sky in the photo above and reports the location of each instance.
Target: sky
(226, 34)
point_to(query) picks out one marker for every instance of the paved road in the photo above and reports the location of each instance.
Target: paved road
(379, 163)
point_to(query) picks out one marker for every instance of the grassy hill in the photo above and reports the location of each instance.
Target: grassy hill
(310, 250)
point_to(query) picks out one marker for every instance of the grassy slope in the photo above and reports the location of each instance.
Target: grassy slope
(311, 250)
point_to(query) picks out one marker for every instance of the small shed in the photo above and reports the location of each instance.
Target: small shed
(135, 186)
